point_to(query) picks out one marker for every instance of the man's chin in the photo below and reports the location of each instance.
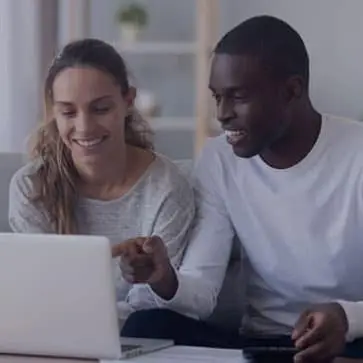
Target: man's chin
(244, 152)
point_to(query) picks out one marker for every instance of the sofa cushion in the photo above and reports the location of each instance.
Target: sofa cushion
(9, 164)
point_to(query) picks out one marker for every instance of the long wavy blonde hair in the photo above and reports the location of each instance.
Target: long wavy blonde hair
(55, 179)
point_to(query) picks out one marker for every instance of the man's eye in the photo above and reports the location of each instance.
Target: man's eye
(240, 96)
(216, 97)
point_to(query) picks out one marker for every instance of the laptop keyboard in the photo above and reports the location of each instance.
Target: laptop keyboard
(128, 347)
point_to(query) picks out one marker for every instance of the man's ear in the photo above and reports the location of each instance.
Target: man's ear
(131, 96)
(294, 88)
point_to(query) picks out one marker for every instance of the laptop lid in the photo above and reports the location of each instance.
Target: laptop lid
(57, 296)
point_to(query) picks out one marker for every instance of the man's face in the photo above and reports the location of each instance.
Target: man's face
(250, 103)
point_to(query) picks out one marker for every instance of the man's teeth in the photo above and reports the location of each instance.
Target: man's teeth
(89, 143)
(234, 133)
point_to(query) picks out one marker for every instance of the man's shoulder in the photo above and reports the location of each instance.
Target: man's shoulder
(344, 128)
(217, 147)
(217, 161)
(344, 136)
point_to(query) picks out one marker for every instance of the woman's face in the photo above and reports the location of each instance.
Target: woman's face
(90, 112)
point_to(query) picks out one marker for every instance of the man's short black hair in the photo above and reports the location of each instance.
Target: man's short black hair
(278, 46)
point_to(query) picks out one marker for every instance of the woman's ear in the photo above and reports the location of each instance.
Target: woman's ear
(130, 96)
(50, 116)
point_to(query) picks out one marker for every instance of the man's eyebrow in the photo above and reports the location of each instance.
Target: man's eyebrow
(229, 89)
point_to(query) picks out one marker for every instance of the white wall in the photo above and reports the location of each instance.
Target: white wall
(23, 53)
(332, 31)
(5, 78)
(24, 71)
(73, 20)
(18, 72)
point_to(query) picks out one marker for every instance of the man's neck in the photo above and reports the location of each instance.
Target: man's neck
(294, 147)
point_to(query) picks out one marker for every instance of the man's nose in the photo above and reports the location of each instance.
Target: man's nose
(225, 111)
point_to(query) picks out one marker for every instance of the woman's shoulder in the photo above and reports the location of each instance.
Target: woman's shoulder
(165, 176)
(22, 181)
(168, 171)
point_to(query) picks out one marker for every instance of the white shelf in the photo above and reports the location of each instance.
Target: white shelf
(172, 123)
(179, 124)
(173, 48)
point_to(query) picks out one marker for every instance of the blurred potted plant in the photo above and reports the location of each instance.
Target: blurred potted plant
(147, 104)
(131, 19)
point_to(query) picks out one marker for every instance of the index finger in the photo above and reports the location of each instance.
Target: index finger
(128, 246)
(124, 248)
(311, 336)
(118, 250)
(152, 244)
(302, 325)
(314, 353)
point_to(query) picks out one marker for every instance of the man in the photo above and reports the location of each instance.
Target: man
(288, 182)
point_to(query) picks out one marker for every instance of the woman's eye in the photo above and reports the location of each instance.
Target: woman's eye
(68, 113)
(101, 110)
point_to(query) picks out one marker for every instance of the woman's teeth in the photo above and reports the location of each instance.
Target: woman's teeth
(89, 143)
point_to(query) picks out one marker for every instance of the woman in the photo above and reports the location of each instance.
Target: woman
(94, 170)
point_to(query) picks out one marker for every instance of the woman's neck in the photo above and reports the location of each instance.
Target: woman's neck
(113, 179)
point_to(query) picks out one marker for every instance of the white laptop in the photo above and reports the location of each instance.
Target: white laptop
(58, 299)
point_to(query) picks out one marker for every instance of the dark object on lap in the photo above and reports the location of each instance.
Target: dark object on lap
(269, 349)
(354, 350)
(167, 324)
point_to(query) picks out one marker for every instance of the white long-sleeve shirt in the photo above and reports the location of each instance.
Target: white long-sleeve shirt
(301, 229)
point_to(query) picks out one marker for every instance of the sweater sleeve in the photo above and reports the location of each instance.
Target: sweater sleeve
(23, 215)
(172, 223)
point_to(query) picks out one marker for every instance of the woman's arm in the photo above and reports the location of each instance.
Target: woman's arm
(172, 223)
(24, 216)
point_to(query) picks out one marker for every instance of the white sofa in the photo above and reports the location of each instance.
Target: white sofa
(230, 307)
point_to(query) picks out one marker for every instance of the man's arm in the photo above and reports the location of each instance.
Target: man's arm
(354, 315)
(195, 286)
